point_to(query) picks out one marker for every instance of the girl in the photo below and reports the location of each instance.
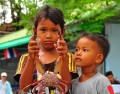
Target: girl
(47, 55)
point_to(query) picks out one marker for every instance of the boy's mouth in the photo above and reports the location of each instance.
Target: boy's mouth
(77, 59)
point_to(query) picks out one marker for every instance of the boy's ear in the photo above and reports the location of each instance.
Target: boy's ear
(99, 58)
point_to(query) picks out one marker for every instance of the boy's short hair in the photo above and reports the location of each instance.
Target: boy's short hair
(108, 73)
(101, 40)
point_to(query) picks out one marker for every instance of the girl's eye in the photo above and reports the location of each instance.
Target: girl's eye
(54, 30)
(42, 30)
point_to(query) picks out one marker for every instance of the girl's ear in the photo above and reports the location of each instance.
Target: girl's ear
(99, 58)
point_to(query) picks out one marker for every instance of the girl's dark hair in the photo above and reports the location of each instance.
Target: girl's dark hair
(101, 40)
(54, 14)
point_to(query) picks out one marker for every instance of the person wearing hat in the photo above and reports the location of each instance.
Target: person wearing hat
(5, 87)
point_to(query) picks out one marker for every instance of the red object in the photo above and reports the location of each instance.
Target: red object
(10, 53)
(110, 89)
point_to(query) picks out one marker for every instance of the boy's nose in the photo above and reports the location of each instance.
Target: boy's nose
(78, 53)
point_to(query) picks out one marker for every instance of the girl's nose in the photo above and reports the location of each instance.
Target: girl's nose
(48, 35)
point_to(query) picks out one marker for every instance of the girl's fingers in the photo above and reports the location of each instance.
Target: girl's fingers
(31, 43)
(33, 48)
(33, 51)
(39, 41)
(32, 38)
(62, 50)
(55, 45)
(63, 42)
(62, 47)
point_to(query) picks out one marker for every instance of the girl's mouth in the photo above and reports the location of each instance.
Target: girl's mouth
(48, 42)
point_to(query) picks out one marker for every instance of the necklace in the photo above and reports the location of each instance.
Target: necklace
(42, 68)
(49, 67)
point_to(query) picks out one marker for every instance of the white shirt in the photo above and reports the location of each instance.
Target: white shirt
(3, 89)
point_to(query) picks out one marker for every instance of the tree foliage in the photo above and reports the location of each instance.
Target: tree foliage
(87, 15)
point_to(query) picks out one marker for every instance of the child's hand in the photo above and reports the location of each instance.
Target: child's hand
(33, 48)
(62, 47)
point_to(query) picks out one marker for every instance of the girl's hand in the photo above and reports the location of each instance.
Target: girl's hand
(33, 48)
(62, 48)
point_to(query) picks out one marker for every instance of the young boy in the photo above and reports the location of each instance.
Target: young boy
(91, 51)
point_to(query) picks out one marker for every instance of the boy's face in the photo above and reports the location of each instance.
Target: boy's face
(87, 54)
(47, 31)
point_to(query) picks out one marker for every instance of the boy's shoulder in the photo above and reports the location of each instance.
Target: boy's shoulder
(101, 79)
(98, 84)
(98, 78)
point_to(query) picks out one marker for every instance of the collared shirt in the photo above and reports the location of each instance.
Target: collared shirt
(5, 88)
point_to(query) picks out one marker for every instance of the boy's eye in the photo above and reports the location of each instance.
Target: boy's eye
(76, 50)
(85, 50)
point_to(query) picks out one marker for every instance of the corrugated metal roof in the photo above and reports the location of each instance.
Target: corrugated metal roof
(14, 39)
(15, 35)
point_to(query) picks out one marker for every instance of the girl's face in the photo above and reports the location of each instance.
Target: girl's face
(47, 32)
(87, 53)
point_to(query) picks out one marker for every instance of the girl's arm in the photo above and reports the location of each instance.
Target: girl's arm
(65, 70)
(27, 74)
